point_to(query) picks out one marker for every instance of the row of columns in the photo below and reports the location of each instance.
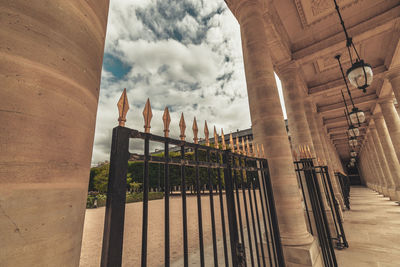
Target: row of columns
(379, 160)
(305, 126)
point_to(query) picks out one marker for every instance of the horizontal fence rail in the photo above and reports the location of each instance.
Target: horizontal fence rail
(240, 227)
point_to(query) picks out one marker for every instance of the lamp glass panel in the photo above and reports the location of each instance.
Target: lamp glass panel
(354, 115)
(357, 76)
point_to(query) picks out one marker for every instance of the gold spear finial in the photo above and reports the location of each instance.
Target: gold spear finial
(216, 143)
(319, 161)
(248, 146)
(223, 139)
(258, 151)
(237, 145)
(231, 143)
(166, 119)
(295, 154)
(253, 147)
(147, 115)
(206, 134)
(243, 147)
(262, 149)
(195, 131)
(309, 152)
(123, 107)
(182, 126)
(301, 152)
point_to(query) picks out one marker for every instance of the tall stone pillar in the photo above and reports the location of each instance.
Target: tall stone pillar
(269, 129)
(378, 169)
(331, 168)
(51, 57)
(393, 166)
(392, 121)
(394, 78)
(294, 102)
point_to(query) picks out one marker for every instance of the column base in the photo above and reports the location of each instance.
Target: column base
(385, 191)
(392, 194)
(302, 256)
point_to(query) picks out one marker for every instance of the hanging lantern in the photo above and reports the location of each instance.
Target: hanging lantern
(353, 153)
(353, 141)
(360, 75)
(351, 164)
(357, 116)
(352, 160)
(353, 131)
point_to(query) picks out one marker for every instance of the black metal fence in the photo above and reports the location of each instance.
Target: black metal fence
(250, 233)
(345, 183)
(311, 178)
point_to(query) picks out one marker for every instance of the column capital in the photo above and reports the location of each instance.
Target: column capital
(393, 73)
(386, 100)
(287, 68)
(238, 6)
(377, 116)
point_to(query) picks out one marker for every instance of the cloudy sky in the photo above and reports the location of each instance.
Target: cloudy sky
(184, 54)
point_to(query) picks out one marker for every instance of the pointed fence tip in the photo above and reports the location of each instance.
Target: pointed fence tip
(123, 107)
(147, 115)
(182, 127)
(195, 131)
(167, 120)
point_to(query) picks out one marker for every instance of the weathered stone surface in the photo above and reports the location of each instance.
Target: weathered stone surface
(50, 65)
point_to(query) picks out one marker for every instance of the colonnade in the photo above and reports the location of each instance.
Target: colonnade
(379, 157)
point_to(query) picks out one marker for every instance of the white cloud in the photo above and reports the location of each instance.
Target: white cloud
(190, 61)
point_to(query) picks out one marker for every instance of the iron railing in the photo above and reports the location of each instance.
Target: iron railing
(310, 177)
(344, 182)
(241, 182)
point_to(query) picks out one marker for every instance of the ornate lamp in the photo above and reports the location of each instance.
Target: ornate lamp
(353, 131)
(360, 73)
(356, 115)
(353, 153)
(352, 160)
(351, 164)
(353, 141)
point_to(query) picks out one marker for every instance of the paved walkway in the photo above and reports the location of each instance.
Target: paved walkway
(372, 229)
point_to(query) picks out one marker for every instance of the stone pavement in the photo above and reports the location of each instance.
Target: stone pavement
(372, 229)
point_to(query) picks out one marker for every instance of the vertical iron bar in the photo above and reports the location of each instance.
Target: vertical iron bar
(184, 211)
(113, 235)
(252, 214)
(145, 200)
(239, 211)
(166, 203)
(336, 206)
(298, 171)
(230, 205)
(258, 223)
(199, 214)
(221, 203)
(242, 170)
(274, 217)
(210, 188)
(261, 186)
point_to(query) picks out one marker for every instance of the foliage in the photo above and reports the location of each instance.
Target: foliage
(130, 198)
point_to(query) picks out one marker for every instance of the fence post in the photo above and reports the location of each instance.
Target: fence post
(230, 204)
(111, 255)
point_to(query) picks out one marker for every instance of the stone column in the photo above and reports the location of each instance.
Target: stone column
(329, 162)
(378, 169)
(365, 169)
(51, 57)
(394, 78)
(392, 121)
(269, 129)
(393, 166)
(294, 102)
